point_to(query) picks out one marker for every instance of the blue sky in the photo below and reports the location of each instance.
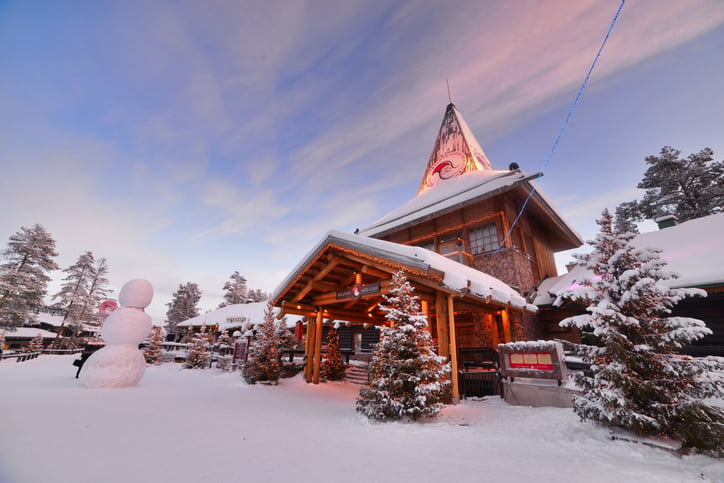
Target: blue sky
(185, 140)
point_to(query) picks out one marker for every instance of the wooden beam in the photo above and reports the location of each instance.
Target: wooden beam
(442, 325)
(317, 348)
(309, 350)
(331, 297)
(331, 264)
(373, 272)
(295, 308)
(351, 316)
(453, 349)
(425, 309)
(365, 262)
(507, 337)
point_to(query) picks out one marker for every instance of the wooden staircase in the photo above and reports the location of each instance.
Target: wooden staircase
(357, 374)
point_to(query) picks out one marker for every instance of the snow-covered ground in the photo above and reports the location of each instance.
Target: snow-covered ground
(207, 426)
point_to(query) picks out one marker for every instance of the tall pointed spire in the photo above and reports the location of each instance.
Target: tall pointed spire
(455, 153)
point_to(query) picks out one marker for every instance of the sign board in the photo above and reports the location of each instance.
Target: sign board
(359, 291)
(541, 359)
(240, 350)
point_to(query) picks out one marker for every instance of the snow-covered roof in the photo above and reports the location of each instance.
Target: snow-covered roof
(57, 320)
(457, 276)
(29, 333)
(447, 195)
(50, 319)
(692, 249)
(233, 316)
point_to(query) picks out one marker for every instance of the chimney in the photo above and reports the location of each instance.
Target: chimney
(665, 221)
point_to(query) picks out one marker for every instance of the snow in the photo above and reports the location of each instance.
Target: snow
(203, 425)
(457, 276)
(230, 317)
(692, 249)
(29, 332)
(115, 365)
(120, 363)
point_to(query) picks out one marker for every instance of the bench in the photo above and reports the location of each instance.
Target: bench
(20, 356)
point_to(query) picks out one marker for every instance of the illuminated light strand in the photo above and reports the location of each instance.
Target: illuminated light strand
(564, 125)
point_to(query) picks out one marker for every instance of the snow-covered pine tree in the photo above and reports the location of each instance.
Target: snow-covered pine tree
(73, 293)
(225, 347)
(199, 357)
(407, 378)
(98, 292)
(284, 336)
(689, 187)
(257, 295)
(24, 274)
(36, 343)
(332, 367)
(153, 349)
(639, 382)
(264, 363)
(182, 306)
(225, 343)
(235, 290)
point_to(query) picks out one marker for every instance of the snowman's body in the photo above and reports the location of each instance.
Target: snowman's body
(120, 363)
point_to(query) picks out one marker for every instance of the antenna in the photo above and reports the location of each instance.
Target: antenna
(449, 97)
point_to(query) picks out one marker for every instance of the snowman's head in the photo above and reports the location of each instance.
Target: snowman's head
(136, 293)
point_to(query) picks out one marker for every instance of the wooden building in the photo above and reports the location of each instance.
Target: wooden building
(692, 250)
(462, 244)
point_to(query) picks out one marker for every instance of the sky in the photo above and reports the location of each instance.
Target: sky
(186, 140)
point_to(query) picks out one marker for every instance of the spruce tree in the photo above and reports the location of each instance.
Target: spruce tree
(152, 353)
(183, 306)
(199, 357)
(98, 292)
(225, 348)
(73, 293)
(407, 378)
(36, 343)
(639, 382)
(688, 188)
(332, 367)
(235, 290)
(257, 295)
(24, 274)
(264, 362)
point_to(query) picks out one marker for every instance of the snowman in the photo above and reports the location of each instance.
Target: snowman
(120, 363)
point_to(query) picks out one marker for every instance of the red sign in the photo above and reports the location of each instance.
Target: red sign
(531, 360)
(240, 351)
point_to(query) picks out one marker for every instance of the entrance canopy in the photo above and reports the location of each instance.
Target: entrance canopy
(345, 275)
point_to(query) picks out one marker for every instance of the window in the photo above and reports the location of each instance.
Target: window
(483, 239)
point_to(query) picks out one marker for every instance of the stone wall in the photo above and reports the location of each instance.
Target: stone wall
(509, 265)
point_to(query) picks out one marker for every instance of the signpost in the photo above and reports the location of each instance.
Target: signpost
(541, 359)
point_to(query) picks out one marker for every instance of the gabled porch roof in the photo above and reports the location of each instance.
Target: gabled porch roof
(341, 261)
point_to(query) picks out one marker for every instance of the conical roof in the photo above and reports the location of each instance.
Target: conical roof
(456, 152)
